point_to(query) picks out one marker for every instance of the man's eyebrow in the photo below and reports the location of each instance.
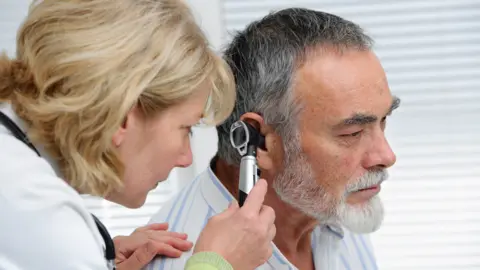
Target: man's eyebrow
(363, 119)
(359, 119)
(395, 104)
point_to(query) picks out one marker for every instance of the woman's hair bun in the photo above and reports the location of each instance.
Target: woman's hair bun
(15, 76)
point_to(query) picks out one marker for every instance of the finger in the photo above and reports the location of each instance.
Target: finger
(177, 243)
(183, 236)
(142, 256)
(154, 226)
(139, 258)
(255, 198)
(160, 234)
(269, 252)
(267, 215)
(232, 208)
(272, 232)
(167, 250)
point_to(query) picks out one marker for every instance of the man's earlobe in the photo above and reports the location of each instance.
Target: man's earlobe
(269, 158)
(264, 160)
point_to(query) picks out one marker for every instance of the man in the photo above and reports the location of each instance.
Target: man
(311, 84)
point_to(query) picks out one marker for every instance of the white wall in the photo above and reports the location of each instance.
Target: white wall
(11, 14)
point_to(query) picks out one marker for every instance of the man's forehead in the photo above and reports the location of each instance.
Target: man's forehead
(338, 97)
(329, 87)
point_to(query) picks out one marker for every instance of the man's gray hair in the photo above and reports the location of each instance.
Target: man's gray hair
(264, 58)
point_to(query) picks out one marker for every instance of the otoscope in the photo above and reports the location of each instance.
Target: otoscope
(246, 139)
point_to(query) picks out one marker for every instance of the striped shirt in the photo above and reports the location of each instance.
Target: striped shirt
(189, 211)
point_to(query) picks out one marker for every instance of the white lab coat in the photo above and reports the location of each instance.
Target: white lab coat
(44, 223)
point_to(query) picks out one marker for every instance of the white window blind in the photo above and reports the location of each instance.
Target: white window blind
(431, 52)
(12, 13)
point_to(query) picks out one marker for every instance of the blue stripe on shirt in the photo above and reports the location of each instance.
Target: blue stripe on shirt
(185, 196)
(207, 216)
(190, 209)
(220, 188)
(367, 250)
(345, 262)
(182, 206)
(359, 252)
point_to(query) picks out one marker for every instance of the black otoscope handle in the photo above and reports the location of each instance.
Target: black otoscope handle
(249, 174)
(242, 196)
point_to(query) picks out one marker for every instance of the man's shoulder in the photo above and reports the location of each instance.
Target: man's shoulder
(186, 212)
(187, 205)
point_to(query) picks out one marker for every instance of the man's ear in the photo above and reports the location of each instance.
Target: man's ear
(265, 157)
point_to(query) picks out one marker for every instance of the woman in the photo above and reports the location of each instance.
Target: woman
(107, 91)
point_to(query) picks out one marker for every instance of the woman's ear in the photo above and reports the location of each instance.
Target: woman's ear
(119, 135)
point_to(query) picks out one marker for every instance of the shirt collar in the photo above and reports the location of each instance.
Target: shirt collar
(218, 198)
(7, 109)
(214, 193)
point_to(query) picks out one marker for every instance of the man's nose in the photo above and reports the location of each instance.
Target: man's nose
(380, 154)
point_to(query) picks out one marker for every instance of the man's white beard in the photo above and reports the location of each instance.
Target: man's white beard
(296, 186)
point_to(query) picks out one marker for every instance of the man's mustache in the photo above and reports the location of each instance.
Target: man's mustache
(369, 179)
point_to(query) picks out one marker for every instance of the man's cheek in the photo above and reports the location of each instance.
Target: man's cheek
(339, 175)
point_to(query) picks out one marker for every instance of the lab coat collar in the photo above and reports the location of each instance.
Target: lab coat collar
(7, 109)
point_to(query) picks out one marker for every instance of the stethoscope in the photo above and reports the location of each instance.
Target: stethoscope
(20, 135)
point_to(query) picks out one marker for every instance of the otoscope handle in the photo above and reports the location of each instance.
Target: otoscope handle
(248, 177)
(242, 196)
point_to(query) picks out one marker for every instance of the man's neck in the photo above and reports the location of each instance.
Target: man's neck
(294, 228)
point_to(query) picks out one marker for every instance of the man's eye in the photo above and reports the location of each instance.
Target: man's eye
(354, 134)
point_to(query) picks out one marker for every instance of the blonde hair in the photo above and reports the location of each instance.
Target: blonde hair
(82, 65)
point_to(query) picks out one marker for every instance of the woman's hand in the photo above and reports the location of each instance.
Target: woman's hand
(137, 250)
(242, 235)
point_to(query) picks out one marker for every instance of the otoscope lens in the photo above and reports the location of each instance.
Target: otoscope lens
(240, 136)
